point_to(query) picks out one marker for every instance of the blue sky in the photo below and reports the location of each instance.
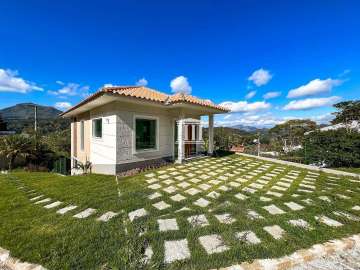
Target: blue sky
(58, 52)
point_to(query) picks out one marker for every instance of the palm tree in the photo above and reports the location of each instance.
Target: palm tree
(14, 146)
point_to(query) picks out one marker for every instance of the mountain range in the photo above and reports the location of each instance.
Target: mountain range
(26, 111)
(22, 115)
(249, 129)
(20, 119)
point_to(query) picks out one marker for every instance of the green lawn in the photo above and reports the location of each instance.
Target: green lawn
(351, 170)
(39, 235)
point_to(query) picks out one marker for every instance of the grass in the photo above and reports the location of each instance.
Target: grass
(351, 170)
(39, 235)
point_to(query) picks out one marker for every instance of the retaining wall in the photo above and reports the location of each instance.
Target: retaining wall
(303, 166)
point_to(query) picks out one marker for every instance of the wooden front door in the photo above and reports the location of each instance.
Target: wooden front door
(190, 150)
(189, 130)
(187, 150)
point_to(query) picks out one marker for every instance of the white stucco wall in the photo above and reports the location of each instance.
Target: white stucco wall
(125, 130)
(116, 147)
(103, 150)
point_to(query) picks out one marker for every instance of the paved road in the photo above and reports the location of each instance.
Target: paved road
(348, 260)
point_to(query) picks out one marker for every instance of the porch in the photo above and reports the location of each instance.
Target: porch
(189, 141)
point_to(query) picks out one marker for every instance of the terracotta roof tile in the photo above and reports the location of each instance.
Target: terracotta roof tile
(138, 92)
(183, 98)
(146, 93)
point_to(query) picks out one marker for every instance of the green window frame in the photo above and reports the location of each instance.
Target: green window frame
(97, 128)
(145, 134)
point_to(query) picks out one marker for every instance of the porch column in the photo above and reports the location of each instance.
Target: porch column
(180, 140)
(211, 134)
(200, 133)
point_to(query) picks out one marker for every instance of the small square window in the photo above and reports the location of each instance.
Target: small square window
(97, 128)
(145, 134)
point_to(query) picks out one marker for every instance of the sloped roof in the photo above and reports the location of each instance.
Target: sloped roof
(145, 93)
(137, 92)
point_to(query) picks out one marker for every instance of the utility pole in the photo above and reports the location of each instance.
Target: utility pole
(259, 144)
(35, 117)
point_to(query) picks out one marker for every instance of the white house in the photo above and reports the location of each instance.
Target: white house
(353, 125)
(124, 127)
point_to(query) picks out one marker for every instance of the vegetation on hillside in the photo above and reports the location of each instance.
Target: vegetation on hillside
(300, 140)
(21, 119)
(332, 148)
(35, 151)
(291, 133)
(347, 111)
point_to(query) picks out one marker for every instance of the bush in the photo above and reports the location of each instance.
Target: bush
(35, 168)
(334, 148)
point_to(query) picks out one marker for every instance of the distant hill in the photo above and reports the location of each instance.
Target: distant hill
(25, 111)
(228, 130)
(249, 129)
(20, 118)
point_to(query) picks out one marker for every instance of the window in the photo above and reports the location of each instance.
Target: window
(189, 132)
(97, 128)
(82, 135)
(197, 133)
(145, 134)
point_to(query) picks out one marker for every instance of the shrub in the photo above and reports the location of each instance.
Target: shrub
(334, 148)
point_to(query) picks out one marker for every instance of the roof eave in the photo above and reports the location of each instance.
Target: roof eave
(200, 107)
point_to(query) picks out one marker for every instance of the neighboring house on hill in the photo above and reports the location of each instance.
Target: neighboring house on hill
(353, 125)
(124, 127)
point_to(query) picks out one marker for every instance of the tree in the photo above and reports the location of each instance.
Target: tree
(333, 148)
(3, 125)
(39, 153)
(347, 111)
(292, 132)
(14, 146)
(59, 142)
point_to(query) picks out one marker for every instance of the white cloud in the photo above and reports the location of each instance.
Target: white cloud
(63, 105)
(11, 82)
(244, 106)
(310, 103)
(344, 73)
(314, 87)
(260, 77)
(71, 89)
(250, 94)
(142, 82)
(180, 85)
(255, 120)
(266, 120)
(227, 116)
(323, 118)
(60, 82)
(270, 95)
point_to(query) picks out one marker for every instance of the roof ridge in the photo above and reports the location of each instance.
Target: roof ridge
(150, 94)
(133, 86)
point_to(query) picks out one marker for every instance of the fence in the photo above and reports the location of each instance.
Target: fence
(62, 166)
